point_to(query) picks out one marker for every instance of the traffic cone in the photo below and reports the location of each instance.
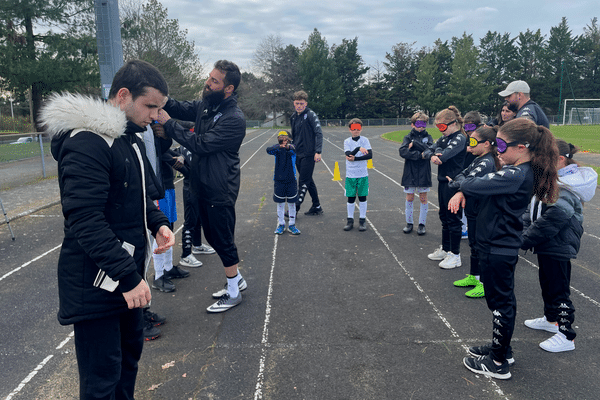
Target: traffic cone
(336, 172)
(370, 163)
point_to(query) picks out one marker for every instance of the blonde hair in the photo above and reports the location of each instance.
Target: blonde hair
(419, 116)
(450, 114)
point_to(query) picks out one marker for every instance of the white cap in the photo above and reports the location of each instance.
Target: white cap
(515, 87)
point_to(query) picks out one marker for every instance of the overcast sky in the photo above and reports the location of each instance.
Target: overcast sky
(232, 29)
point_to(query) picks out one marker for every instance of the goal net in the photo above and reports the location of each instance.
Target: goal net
(581, 112)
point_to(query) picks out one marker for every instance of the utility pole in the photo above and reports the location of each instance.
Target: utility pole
(108, 36)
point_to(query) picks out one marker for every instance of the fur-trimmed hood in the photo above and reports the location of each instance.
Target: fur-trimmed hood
(65, 112)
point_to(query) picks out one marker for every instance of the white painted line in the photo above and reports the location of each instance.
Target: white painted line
(258, 394)
(254, 138)
(257, 150)
(64, 342)
(28, 378)
(29, 262)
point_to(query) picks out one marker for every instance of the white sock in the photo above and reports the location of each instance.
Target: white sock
(408, 207)
(362, 209)
(292, 213)
(281, 213)
(423, 213)
(350, 207)
(232, 286)
(159, 262)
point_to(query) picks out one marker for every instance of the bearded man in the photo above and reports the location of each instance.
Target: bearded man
(215, 173)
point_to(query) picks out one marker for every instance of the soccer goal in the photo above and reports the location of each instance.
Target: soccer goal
(581, 112)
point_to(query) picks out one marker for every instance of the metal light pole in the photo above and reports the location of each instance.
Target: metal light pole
(12, 114)
(108, 37)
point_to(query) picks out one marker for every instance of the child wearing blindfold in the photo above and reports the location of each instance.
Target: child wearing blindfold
(284, 181)
(358, 150)
(416, 176)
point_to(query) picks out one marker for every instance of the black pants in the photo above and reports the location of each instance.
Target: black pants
(451, 223)
(192, 225)
(305, 167)
(471, 232)
(555, 280)
(108, 350)
(498, 277)
(219, 229)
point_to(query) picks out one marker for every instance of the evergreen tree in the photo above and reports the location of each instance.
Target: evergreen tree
(401, 67)
(351, 70)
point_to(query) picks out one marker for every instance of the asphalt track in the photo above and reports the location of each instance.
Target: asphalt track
(327, 315)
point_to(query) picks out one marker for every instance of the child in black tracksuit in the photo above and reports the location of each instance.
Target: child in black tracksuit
(523, 148)
(482, 145)
(449, 154)
(416, 176)
(554, 232)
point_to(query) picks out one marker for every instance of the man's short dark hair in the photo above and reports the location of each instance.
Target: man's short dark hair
(136, 76)
(231, 71)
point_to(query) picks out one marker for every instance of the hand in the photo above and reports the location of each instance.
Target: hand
(364, 151)
(436, 160)
(350, 158)
(457, 201)
(179, 160)
(410, 145)
(159, 131)
(317, 157)
(139, 296)
(449, 179)
(163, 117)
(164, 239)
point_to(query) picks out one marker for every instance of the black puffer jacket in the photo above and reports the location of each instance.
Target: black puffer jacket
(103, 202)
(417, 167)
(452, 150)
(306, 133)
(215, 171)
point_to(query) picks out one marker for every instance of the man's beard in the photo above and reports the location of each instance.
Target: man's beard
(213, 97)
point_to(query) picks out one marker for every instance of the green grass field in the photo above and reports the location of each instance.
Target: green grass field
(11, 152)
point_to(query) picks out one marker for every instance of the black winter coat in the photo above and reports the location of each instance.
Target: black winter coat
(220, 130)
(306, 133)
(417, 167)
(103, 203)
(453, 149)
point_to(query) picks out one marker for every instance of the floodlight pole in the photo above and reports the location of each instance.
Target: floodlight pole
(108, 37)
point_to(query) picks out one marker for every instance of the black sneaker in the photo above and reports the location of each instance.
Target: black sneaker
(421, 230)
(408, 228)
(349, 224)
(150, 331)
(153, 318)
(484, 350)
(486, 366)
(176, 273)
(314, 211)
(362, 226)
(163, 284)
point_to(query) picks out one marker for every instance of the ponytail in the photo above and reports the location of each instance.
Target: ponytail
(567, 150)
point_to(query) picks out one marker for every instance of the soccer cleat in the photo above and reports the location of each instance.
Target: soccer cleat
(176, 273)
(225, 303)
(242, 285)
(293, 230)
(476, 292)
(280, 229)
(349, 224)
(438, 255)
(314, 211)
(190, 262)
(163, 284)
(151, 332)
(486, 366)
(484, 350)
(421, 230)
(542, 324)
(451, 261)
(203, 249)
(153, 318)
(470, 280)
(362, 225)
(408, 228)
(558, 343)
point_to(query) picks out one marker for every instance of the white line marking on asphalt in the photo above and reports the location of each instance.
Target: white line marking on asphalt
(29, 377)
(265, 336)
(257, 150)
(29, 262)
(254, 138)
(64, 342)
(589, 234)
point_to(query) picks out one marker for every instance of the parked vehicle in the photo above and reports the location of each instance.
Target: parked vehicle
(23, 140)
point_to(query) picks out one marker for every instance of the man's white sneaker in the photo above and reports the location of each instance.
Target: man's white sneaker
(225, 303)
(190, 261)
(541, 324)
(451, 261)
(203, 249)
(558, 343)
(438, 255)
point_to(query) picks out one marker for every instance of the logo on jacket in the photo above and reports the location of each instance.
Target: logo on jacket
(217, 117)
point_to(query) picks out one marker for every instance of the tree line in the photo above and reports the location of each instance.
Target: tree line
(457, 71)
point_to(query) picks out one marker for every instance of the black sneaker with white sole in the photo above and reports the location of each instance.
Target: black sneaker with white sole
(225, 303)
(314, 211)
(484, 350)
(242, 285)
(486, 366)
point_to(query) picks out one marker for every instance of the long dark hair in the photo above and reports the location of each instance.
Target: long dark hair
(488, 134)
(512, 107)
(544, 153)
(567, 150)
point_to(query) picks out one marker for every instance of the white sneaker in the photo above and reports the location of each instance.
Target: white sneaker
(438, 255)
(541, 324)
(203, 249)
(190, 261)
(558, 343)
(225, 303)
(451, 261)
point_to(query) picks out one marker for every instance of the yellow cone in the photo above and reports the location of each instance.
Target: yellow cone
(370, 163)
(336, 173)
